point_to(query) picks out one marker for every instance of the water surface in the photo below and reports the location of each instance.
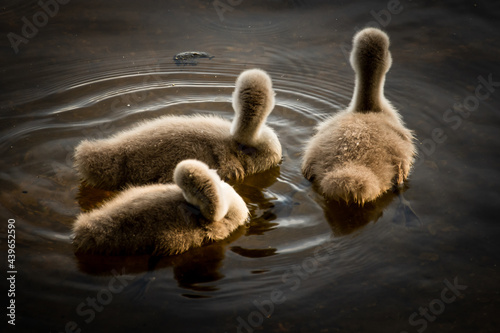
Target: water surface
(301, 264)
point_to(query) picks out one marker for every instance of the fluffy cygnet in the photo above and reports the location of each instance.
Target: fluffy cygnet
(163, 219)
(359, 153)
(150, 151)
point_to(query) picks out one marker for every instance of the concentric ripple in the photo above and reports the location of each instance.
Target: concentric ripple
(288, 222)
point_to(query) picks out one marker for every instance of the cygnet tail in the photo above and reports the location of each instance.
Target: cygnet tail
(351, 182)
(98, 166)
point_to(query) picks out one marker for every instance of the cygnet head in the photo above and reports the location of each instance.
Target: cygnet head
(370, 52)
(202, 187)
(253, 101)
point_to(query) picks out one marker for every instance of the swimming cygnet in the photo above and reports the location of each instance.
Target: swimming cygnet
(163, 219)
(150, 151)
(359, 153)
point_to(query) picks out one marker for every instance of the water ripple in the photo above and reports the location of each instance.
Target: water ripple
(287, 221)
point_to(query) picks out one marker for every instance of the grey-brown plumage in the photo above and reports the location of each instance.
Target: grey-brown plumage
(359, 153)
(150, 151)
(163, 219)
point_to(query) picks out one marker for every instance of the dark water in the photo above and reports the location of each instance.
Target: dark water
(301, 265)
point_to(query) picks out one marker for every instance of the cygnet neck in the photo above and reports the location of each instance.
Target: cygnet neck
(369, 91)
(253, 100)
(247, 124)
(201, 187)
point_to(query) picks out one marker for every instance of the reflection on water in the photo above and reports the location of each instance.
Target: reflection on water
(194, 270)
(91, 197)
(345, 218)
(96, 68)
